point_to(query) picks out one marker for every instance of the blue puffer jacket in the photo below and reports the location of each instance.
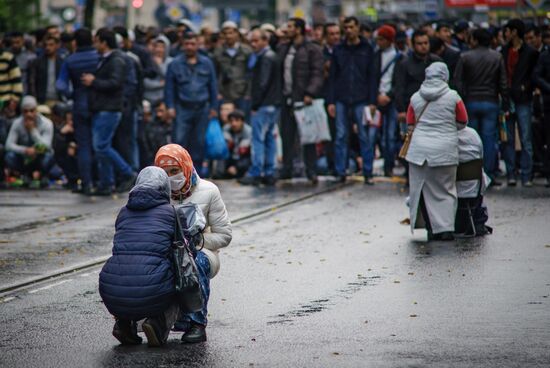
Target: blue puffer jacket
(137, 281)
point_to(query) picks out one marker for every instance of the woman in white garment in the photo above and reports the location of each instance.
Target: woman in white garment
(187, 186)
(437, 113)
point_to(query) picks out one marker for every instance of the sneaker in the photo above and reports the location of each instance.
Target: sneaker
(269, 180)
(341, 179)
(155, 332)
(126, 332)
(126, 184)
(527, 184)
(195, 334)
(512, 182)
(369, 180)
(250, 180)
(495, 183)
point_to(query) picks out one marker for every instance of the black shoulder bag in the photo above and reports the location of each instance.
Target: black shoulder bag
(186, 275)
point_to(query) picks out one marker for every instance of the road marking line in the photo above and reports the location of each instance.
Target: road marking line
(49, 286)
(8, 299)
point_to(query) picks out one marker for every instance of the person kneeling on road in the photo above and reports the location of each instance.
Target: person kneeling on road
(137, 282)
(188, 187)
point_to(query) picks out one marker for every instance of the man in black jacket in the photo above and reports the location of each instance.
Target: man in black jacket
(480, 78)
(520, 60)
(106, 98)
(266, 99)
(302, 69)
(542, 80)
(409, 72)
(43, 73)
(352, 87)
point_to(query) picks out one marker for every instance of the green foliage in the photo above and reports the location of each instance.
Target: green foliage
(20, 15)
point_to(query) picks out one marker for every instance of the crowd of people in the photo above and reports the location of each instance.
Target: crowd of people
(92, 108)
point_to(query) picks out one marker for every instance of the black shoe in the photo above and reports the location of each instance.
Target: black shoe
(85, 190)
(126, 332)
(195, 334)
(341, 179)
(368, 180)
(512, 182)
(126, 184)
(285, 174)
(269, 180)
(155, 331)
(388, 173)
(313, 179)
(250, 180)
(102, 192)
(446, 236)
(495, 183)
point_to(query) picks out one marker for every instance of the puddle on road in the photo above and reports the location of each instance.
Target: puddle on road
(319, 305)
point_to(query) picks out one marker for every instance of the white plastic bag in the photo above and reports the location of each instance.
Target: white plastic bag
(312, 122)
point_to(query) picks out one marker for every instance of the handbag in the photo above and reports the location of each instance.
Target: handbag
(312, 122)
(186, 276)
(408, 137)
(215, 144)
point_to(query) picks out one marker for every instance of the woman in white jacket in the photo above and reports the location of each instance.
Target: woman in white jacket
(437, 113)
(187, 186)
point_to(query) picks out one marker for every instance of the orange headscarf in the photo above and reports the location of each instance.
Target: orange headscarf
(176, 155)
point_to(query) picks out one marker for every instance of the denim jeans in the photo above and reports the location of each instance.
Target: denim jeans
(483, 117)
(83, 136)
(16, 162)
(104, 125)
(126, 137)
(523, 120)
(189, 130)
(263, 141)
(203, 266)
(389, 140)
(341, 144)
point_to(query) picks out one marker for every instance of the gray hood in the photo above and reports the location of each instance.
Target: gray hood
(152, 189)
(436, 83)
(166, 41)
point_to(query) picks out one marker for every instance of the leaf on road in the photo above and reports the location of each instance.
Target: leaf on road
(405, 221)
(335, 353)
(397, 282)
(413, 315)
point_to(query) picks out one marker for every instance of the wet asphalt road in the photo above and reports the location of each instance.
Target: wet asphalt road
(332, 281)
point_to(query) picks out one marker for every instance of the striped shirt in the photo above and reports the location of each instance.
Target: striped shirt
(11, 87)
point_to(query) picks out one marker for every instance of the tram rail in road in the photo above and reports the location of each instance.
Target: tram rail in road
(8, 290)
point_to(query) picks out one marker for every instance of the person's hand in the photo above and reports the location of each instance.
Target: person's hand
(402, 117)
(172, 113)
(331, 109)
(232, 170)
(67, 129)
(372, 110)
(383, 100)
(30, 151)
(308, 100)
(87, 79)
(213, 113)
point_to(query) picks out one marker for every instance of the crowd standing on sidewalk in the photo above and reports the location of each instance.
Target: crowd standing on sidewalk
(114, 96)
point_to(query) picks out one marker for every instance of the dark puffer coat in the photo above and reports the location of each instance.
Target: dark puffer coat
(137, 281)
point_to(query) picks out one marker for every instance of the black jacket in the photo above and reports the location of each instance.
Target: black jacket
(307, 69)
(450, 57)
(408, 77)
(38, 77)
(480, 75)
(266, 81)
(352, 77)
(106, 91)
(542, 73)
(521, 88)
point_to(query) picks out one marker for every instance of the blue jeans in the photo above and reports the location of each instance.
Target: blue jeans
(126, 137)
(16, 162)
(341, 144)
(483, 117)
(203, 266)
(83, 137)
(389, 136)
(104, 125)
(263, 141)
(523, 120)
(189, 130)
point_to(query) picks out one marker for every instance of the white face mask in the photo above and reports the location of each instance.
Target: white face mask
(177, 182)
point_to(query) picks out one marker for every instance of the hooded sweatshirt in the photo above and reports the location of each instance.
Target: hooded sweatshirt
(137, 281)
(435, 138)
(154, 87)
